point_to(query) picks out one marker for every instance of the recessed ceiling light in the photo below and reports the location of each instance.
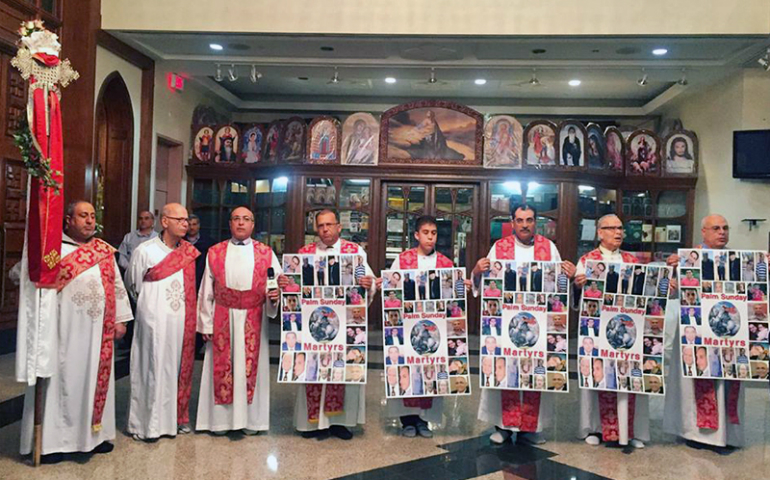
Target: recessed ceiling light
(539, 51)
(215, 46)
(327, 49)
(480, 81)
(574, 83)
(390, 80)
(659, 51)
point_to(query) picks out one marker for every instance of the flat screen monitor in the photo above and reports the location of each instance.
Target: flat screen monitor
(751, 154)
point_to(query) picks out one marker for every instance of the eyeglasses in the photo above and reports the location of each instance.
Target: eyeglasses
(237, 219)
(180, 219)
(614, 229)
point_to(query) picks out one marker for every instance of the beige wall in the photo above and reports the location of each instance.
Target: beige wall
(172, 118)
(740, 102)
(107, 63)
(444, 17)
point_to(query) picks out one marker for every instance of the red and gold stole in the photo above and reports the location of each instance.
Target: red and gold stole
(182, 258)
(334, 400)
(521, 409)
(608, 401)
(96, 252)
(226, 298)
(706, 408)
(407, 260)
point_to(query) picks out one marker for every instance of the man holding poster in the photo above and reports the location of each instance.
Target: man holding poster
(617, 416)
(415, 413)
(512, 410)
(332, 408)
(707, 412)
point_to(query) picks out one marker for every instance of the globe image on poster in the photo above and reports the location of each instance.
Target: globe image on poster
(324, 324)
(425, 337)
(524, 330)
(724, 319)
(621, 332)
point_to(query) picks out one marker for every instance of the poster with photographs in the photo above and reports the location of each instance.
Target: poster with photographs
(323, 320)
(425, 329)
(622, 325)
(524, 333)
(723, 320)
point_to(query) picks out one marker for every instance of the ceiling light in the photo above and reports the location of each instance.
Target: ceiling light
(216, 46)
(255, 75)
(534, 81)
(390, 80)
(232, 73)
(218, 75)
(336, 77)
(683, 81)
(432, 78)
(659, 51)
(764, 61)
(574, 83)
(480, 81)
(643, 80)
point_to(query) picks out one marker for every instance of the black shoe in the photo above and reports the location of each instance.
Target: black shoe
(695, 445)
(104, 447)
(340, 432)
(322, 434)
(714, 448)
(51, 458)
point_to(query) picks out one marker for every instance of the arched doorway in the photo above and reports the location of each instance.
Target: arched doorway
(113, 170)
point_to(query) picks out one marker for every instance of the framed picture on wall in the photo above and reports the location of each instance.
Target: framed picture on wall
(615, 149)
(596, 148)
(203, 143)
(643, 154)
(503, 141)
(572, 144)
(226, 144)
(431, 132)
(252, 143)
(360, 139)
(272, 141)
(680, 150)
(540, 145)
(291, 147)
(323, 142)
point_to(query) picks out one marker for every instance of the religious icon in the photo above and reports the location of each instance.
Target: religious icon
(360, 139)
(204, 139)
(503, 142)
(226, 145)
(272, 139)
(540, 143)
(292, 146)
(642, 157)
(614, 149)
(596, 148)
(323, 144)
(572, 144)
(681, 151)
(251, 150)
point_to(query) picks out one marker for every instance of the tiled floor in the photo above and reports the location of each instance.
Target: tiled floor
(459, 450)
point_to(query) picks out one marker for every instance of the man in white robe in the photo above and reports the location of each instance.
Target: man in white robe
(328, 229)
(680, 412)
(240, 402)
(610, 230)
(161, 277)
(523, 246)
(79, 402)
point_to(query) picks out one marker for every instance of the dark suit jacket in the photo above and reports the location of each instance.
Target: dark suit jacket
(537, 281)
(638, 287)
(735, 269)
(612, 282)
(707, 270)
(484, 351)
(409, 290)
(307, 275)
(510, 280)
(435, 288)
(334, 274)
(287, 324)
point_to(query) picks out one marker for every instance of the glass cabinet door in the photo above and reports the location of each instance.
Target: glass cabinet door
(404, 204)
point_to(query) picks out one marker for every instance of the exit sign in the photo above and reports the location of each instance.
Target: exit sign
(175, 81)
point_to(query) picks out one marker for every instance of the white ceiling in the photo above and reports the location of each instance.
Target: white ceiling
(296, 70)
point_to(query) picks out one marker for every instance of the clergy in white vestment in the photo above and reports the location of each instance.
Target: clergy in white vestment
(415, 413)
(234, 305)
(92, 308)
(161, 277)
(716, 421)
(513, 411)
(323, 409)
(609, 416)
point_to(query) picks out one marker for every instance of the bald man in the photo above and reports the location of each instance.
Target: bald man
(161, 278)
(699, 427)
(136, 237)
(599, 410)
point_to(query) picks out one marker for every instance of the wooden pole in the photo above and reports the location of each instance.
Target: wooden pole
(38, 432)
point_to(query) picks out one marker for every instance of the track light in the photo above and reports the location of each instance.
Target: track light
(432, 78)
(336, 77)
(642, 81)
(218, 75)
(683, 81)
(764, 60)
(255, 75)
(232, 73)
